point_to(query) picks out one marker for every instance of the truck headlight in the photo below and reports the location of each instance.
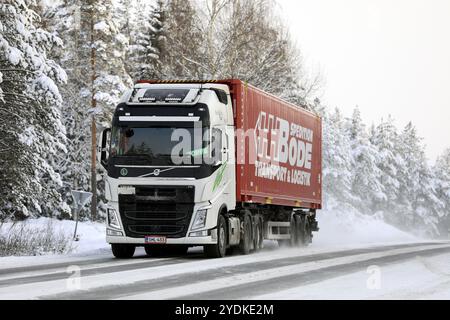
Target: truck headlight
(113, 233)
(113, 220)
(200, 219)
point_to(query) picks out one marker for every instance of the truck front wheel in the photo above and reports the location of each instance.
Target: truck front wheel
(218, 250)
(123, 251)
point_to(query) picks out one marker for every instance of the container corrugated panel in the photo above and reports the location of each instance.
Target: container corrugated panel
(278, 150)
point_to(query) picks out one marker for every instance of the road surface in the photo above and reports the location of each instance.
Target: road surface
(389, 271)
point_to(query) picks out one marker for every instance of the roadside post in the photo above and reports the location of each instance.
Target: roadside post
(80, 198)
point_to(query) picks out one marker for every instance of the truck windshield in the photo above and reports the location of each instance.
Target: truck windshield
(159, 145)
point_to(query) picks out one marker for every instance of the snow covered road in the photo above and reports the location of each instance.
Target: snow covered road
(398, 270)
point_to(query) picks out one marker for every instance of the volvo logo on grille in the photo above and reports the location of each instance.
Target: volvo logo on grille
(156, 172)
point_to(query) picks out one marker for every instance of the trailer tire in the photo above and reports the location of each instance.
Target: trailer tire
(123, 251)
(259, 237)
(247, 238)
(218, 250)
(295, 230)
(261, 224)
(302, 231)
(306, 234)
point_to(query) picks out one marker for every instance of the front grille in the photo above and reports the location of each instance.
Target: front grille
(157, 210)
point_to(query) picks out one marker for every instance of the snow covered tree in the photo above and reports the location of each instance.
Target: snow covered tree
(146, 40)
(123, 13)
(65, 19)
(95, 61)
(182, 51)
(166, 41)
(109, 78)
(385, 139)
(383, 173)
(416, 195)
(441, 182)
(366, 186)
(337, 159)
(32, 134)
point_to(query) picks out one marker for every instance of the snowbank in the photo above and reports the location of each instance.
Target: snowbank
(349, 227)
(91, 234)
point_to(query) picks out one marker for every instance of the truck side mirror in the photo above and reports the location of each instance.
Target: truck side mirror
(102, 151)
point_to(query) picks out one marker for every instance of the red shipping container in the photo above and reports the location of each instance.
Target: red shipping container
(278, 149)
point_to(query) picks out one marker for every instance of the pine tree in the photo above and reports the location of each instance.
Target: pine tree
(182, 55)
(337, 159)
(366, 186)
(417, 193)
(385, 139)
(32, 134)
(146, 40)
(441, 183)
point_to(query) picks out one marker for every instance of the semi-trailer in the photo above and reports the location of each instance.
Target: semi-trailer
(218, 164)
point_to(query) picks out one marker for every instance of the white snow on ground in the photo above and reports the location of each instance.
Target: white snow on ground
(54, 287)
(91, 242)
(421, 278)
(91, 234)
(261, 275)
(338, 227)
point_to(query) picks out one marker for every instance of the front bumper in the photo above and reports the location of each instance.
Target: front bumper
(194, 241)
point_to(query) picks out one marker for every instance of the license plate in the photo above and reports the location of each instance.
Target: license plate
(155, 240)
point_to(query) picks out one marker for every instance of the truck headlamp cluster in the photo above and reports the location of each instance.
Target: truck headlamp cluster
(113, 221)
(203, 233)
(113, 233)
(200, 219)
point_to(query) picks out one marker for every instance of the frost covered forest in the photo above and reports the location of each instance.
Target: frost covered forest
(64, 65)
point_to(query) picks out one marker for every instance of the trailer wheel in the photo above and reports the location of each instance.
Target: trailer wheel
(306, 232)
(259, 236)
(261, 224)
(123, 251)
(302, 233)
(295, 230)
(246, 240)
(218, 250)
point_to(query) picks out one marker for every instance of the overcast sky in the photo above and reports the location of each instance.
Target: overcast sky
(386, 56)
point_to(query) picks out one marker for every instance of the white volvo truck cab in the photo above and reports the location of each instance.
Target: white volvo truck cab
(170, 152)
